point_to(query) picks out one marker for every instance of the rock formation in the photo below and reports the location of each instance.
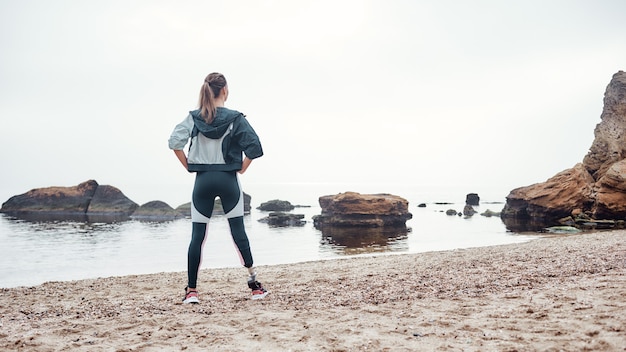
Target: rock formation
(91, 201)
(110, 200)
(276, 205)
(156, 210)
(592, 190)
(353, 209)
(87, 198)
(468, 210)
(472, 199)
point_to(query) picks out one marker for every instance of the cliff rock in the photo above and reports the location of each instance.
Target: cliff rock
(595, 188)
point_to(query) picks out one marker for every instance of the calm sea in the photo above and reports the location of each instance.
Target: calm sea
(33, 252)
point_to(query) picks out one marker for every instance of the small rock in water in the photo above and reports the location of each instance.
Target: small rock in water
(562, 229)
(451, 212)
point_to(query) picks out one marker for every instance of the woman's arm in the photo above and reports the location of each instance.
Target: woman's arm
(181, 157)
(244, 165)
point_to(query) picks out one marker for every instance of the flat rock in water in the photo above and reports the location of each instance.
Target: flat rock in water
(362, 210)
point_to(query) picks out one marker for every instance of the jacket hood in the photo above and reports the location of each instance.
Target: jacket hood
(216, 129)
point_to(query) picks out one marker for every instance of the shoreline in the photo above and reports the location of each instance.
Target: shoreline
(560, 292)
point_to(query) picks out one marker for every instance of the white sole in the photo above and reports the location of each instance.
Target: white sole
(255, 297)
(191, 300)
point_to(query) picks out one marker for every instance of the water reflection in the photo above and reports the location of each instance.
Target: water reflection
(55, 218)
(525, 225)
(39, 249)
(353, 240)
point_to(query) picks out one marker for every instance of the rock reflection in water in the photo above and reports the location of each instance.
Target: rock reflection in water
(353, 240)
(526, 225)
(44, 217)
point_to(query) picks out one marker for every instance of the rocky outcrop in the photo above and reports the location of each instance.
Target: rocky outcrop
(87, 198)
(110, 200)
(453, 212)
(594, 189)
(468, 210)
(353, 209)
(472, 199)
(156, 210)
(276, 205)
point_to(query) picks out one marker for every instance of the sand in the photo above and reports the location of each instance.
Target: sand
(550, 294)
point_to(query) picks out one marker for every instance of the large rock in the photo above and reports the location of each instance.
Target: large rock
(276, 205)
(544, 203)
(156, 210)
(108, 200)
(353, 209)
(609, 145)
(472, 199)
(594, 189)
(70, 200)
(86, 198)
(610, 193)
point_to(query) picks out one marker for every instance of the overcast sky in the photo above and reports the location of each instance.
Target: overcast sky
(398, 92)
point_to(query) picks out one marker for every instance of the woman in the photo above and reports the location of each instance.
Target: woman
(219, 138)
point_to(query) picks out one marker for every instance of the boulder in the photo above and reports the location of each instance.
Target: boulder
(468, 210)
(610, 193)
(353, 209)
(86, 198)
(596, 187)
(109, 200)
(472, 199)
(489, 213)
(546, 202)
(156, 210)
(276, 205)
(70, 200)
(451, 212)
(184, 209)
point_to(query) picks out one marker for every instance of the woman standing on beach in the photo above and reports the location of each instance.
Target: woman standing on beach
(219, 139)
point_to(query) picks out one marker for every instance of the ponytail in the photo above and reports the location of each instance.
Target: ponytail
(210, 89)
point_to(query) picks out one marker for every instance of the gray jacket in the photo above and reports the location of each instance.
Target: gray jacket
(217, 146)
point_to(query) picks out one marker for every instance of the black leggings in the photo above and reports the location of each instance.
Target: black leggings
(208, 186)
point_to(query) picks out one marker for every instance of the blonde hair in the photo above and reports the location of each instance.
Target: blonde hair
(211, 88)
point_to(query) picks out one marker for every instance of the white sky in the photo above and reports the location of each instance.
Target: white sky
(410, 92)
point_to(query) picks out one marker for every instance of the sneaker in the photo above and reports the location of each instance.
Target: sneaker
(258, 292)
(191, 297)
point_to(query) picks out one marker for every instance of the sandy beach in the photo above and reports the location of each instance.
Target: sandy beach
(550, 294)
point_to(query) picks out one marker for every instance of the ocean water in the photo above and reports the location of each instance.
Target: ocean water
(36, 251)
